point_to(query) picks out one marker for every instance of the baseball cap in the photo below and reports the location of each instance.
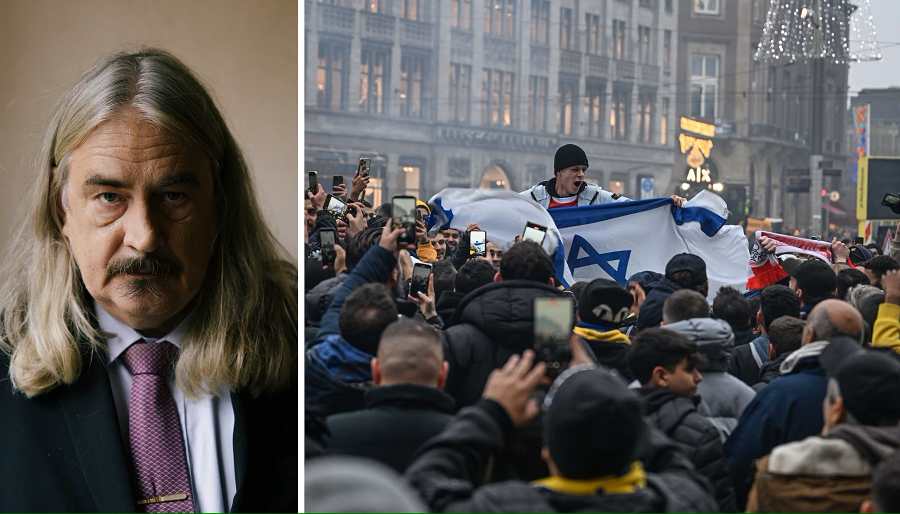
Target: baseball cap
(869, 380)
(604, 301)
(593, 425)
(687, 262)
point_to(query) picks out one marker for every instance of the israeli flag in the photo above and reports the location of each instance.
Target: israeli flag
(501, 214)
(617, 240)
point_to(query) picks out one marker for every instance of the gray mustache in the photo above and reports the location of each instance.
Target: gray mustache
(154, 266)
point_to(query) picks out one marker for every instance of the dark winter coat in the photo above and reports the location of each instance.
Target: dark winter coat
(788, 409)
(769, 372)
(748, 359)
(451, 468)
(337, 373)
(491, 323)
(397, 420)
(679, 418)
(447, 304)
(652, 308)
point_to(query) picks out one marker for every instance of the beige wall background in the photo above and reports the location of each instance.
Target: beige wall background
(244, 51)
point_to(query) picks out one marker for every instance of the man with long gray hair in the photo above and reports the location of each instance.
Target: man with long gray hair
(148, 317)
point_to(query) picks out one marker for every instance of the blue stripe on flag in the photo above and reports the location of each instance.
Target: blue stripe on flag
(710, 222)
(559, 263)
(566, 217)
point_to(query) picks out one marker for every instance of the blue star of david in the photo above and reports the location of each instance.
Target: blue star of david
(604, 260)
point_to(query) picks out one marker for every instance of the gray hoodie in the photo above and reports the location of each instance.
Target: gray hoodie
(724, 395)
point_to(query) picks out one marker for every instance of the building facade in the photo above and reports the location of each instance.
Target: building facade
(769, 118)
(480, 93)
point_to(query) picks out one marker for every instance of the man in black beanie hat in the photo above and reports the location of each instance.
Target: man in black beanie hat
(600, 452)
(568, 188)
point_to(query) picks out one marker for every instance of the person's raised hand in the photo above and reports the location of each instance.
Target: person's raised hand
(389, 237)
(639, 295)
(511, 386)
(426, 301)
(421, 231)
(472, 226)
(358, 187)
(767, 244)
(405, 265)
(579, 354)
(679, 201)
(340, 191)
(318, 199)
(341, 229)
(891, 284)
(340, 259)
(357, 223)
(840, 251)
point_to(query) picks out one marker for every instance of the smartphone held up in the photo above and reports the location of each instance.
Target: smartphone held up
(419, 281)
(403, 215)
(553, 321)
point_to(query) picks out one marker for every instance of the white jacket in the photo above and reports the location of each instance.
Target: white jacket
(590, 194)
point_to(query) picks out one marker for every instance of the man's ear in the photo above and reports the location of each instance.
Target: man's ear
(760, 321)
(659, 377)
(376, 371)
(497, 277)
(808, 336)
(442, 376)
(552, 282)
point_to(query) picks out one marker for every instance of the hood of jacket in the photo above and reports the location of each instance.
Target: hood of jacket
(550, 187)
(504, 311)
(714, 338)
(319, 297)
(447, 304)
(341, 361)
(873, 444)
(806, 357)
(668, 407)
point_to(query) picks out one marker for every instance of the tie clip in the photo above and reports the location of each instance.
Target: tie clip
(163, 499)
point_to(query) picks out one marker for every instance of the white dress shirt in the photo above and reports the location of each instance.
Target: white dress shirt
(207, 422)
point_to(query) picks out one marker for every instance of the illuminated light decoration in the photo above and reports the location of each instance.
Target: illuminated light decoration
(695, 142)
(685, 186)
(836, 31)
(718, 187)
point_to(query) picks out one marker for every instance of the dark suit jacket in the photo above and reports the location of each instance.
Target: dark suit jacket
(62, 451)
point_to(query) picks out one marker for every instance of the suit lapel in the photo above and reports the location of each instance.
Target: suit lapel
(90, 416)
(240, 449)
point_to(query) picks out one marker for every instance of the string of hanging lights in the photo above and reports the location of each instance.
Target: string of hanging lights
(836, 31)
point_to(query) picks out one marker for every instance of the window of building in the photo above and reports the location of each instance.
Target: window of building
(644, 45)
(460, 92)
(618, 40)
(412, 9)
(568, 99)
(619, 124)
(667, 51)
(496, 93)
(540, 22)
(411, 178)
(461, 14)
(331, 75)
(537, 103)
(704, 85)
(664, 123)
(377, 6)
(669, 6)
(413, 74)
(595, 91)
(594, 34)
(647, 101)
(500, 18)
(706, 6)
(374, 73)
(565, 28)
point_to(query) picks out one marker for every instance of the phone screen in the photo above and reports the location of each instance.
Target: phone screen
(534, 232)
(419, 281)
(553, 319)
(477, 241)
(326, 240)
(403, 214)
(313, 179)
(336, 181)
(335, 206)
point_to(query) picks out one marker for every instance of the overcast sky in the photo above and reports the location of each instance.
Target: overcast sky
(886, 72)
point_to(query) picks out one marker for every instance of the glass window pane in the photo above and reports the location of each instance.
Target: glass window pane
(710, 102)
(712, 66)
(697, 65)
(696, 100)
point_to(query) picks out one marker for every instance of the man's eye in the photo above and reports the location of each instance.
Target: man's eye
(174, 196)
(110, 198)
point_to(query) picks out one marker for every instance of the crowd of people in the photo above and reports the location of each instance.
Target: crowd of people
(781, 398)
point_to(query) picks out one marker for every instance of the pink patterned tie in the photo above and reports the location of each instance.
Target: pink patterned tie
(154, 432)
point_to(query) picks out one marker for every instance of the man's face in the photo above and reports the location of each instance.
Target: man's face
(684, 379)
(569, 180)
(309, 216)
(451, 238)
(494, 255)
(140, 221)
(440, 244)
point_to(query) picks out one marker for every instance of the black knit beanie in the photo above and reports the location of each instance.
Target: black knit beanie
(593, 425)
(569, 155)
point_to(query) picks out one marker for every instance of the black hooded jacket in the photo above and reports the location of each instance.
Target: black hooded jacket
(447, 304)
(491, 323)
(678, 418)
(451, 468)
(651, 313)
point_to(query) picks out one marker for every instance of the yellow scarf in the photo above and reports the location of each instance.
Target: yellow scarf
(612, 336)
(630, 482)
